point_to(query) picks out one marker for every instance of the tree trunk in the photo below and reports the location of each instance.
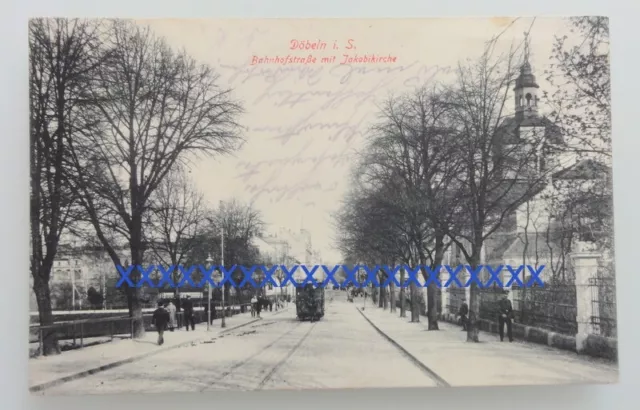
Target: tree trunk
(473, 329)
(133, 293)
(432, 289)
(43, 297)
(392, 297)
(403, 312)
(415, 306)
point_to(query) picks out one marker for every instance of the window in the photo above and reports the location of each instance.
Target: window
(528, 97)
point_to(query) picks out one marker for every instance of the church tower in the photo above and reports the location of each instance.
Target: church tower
(526, 89)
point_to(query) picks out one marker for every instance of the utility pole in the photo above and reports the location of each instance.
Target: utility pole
(73, 287)
(209, 262)
(104, 291)
(224, 313)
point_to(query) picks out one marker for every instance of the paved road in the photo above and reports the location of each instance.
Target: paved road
(340, 351)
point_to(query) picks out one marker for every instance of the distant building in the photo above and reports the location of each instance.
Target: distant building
(78, 267)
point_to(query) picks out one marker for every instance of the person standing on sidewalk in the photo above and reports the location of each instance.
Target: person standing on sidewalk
(505, 311)
(159, 320)
(463, 312)
(259, 304)
(254, 305)
(171, 308)
(188, 313)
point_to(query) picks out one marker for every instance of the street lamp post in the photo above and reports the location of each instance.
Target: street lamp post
(364, 289)
(224, 313)
(209, 262)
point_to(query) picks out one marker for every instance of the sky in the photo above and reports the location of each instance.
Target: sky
(304, 122)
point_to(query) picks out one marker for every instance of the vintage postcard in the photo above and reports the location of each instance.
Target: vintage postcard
(320, 204)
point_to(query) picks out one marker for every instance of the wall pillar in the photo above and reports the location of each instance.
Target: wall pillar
(585, 268)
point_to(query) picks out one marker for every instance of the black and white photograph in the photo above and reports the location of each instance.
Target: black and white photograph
(295, 204)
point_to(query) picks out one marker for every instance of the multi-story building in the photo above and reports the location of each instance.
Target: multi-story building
(79, 267)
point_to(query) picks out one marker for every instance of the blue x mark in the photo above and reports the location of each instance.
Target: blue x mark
(125, 276)
(372, 277)
(351, 276)
(391, 275)
(330, 275)
(186, 276)
(288, 275)
(268, 276)
(145, 275)
(473, 275)
(166, 276)
(207, 276)
(515, 276)
(248, 276)
(412, 276)
(227, 276)
(433, 276)
(309, 275)
(453, 276)
(495, 276)
(535, 275)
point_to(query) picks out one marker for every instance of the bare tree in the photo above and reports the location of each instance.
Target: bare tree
(416, 142)
(371, 228)
(151, 108)
(499, 174)
(60, 58)
(177, 216)
(582, 78)
(240, 224)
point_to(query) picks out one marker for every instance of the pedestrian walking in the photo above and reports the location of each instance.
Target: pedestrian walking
(254, 305)
(171, 308)
(505, 310)
(463, 312)
(259, 306)
(271, 306)
(187, 306)
(160, 319)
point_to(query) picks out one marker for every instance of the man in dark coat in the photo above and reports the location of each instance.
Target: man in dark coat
(189, 319)
(160, 320)
(259, 306)
(505, 312)
(463, 312)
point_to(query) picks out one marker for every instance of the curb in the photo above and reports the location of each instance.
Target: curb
(85, 373)
(439, 380)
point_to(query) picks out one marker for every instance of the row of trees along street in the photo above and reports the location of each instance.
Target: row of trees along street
(116, 117)
(437, 171)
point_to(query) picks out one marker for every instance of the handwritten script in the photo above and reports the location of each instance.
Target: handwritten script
(316, 113)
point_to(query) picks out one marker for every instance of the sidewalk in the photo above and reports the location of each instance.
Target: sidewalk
(49, 370)
(490, 362)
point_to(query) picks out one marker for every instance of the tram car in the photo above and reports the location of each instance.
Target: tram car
(309, 297)
(310, 302)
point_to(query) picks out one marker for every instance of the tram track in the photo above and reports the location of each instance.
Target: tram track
(270, 370)
(291, 352)
(418, 363)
